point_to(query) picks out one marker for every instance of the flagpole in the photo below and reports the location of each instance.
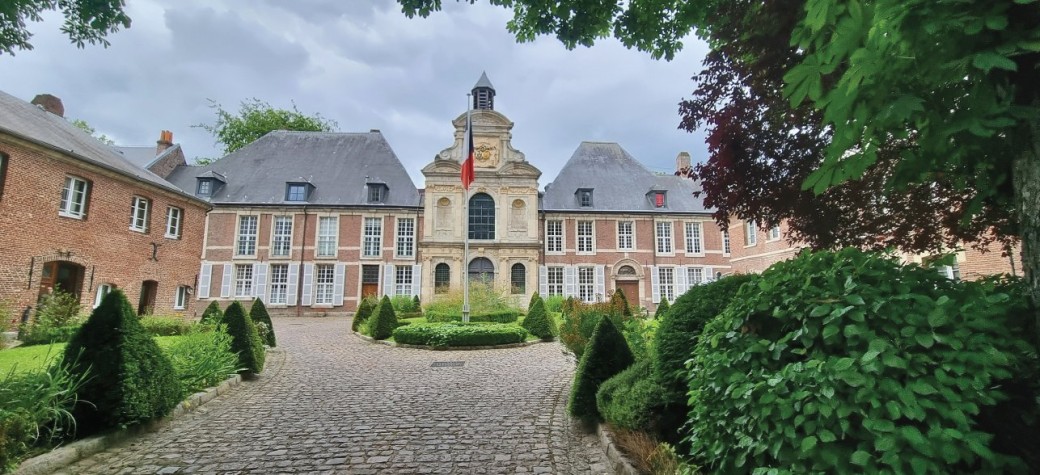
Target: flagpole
(465, 217)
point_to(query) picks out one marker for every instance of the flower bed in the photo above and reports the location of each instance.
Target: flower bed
(459, 334)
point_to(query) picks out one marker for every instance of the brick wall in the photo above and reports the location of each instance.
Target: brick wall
(33, 233)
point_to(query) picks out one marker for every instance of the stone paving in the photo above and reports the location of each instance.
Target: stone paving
(329, 402)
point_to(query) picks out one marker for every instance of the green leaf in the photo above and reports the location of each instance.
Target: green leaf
(854, 299)
(997, 22)
(827, 436)
(808, 443)
(860, 458)
(843, 364)
(820, 310)
(988, 60)
(912, 435)
(938, 317)
(924, 339)
(922, 387)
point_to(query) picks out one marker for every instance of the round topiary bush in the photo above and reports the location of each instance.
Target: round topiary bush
(459, 334)
(258, 313)
(607, 354)
(633, 399)
(848, 362)
(383, 322)
(128, 378)
(212, 315)
(538, 323)
(244, 339)
(363, 313)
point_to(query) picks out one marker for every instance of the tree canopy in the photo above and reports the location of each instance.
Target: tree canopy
(86, 21)
(84, 126)
(255, 119)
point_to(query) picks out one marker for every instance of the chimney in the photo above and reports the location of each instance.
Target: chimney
(682, 161)
(165, 141)
(50, 104)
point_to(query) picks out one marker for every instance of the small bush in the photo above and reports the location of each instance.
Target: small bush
(554, 303)
(416, 306)
(384, 320)
(640, 333)
(41, 335)
(538, 323)
(363, 313)
(620, 303)
(459, 334)
(245, 341)
(165, 326)
(202, 359)
(57, 309)
(501, 316)
(580, 320)
(632, 399)
(131, 380)
(213, 314)
(403, 304)
(483, 299)
(848, 362)
(662, 309)
(260, 316)
(607, 355)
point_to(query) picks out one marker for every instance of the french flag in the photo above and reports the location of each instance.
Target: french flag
(467, 164)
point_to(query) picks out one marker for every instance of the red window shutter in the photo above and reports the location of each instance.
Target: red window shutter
(659, 199)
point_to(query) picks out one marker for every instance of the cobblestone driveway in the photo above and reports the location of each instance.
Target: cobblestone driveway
(329, 402)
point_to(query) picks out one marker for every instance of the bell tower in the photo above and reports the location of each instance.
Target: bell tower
(483, 94)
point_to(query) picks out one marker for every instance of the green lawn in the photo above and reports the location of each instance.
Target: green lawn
(27, 358)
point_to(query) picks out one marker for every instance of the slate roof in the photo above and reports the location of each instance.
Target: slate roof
(27, 121)
(483, 82)
(619, 183)
(338, 165)
(144, 156)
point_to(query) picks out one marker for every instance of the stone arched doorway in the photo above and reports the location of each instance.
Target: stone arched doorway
(481, 270)
(61, 275)
(627, 280)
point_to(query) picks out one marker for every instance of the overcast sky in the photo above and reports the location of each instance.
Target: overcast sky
(365, 65)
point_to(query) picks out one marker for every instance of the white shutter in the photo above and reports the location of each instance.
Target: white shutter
(543, 281)
(225, 284)
(308, 285)
(708, 276)
(601, 283)
(655, 285)
(337, 284)
(260, 281)
(416, 279)
(388, 280)
(681, 285)
(570, 281)
(293, 278)
(205, 277)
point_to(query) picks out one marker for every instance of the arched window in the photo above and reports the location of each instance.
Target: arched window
(626, 270)
(518, 279)
(481, 217)
(482, 270)
(441, 278)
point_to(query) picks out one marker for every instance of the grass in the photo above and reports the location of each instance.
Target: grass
(27, 358)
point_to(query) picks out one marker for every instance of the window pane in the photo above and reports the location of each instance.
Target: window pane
(243, 280)
(403, 280)
(667, 277)
(405, 237)
(586, 284)
(246, 235)
(481, 217)
(554, 236)
(327, 233)
(693, 238)
(324, 277)
(282, 239)
(518, 278)
(585, 236)
(373, 237)
(279, 283)
(441, 278)
(625, 235)
(664, 237)
(555, 280)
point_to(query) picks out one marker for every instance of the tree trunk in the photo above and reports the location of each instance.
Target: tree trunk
(1026, 173)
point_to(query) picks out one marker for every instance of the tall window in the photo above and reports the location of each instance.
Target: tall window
(373, 238)
(139, 214)
(180, 299)
(243, 280)
(3, 173)
(626, 235)
(750, 233)
(279, 283)
(173, 222)
(664, 237)
(694, 240)
(74, 198)
(441, 278)
(725, 242)
(281, 239)
(587, 284)
(402, 280)
(585, 236)
(246, 236)
(405, 237)
(324, 277)
(695, 275)
(481, 217)
(102, 291)
(518, 278)
(554, 278)
(554, 236)
(328, 227)
(667, 279)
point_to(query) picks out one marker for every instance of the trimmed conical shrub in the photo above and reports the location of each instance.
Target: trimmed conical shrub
(363, 313)
(128, 378)
(213, 314)
(416, 305)
(620, 302)
(384, 320)
(259, 315)
(245, 341)
(606, 355)
(538, 323)
(534, 297)
(662, 309)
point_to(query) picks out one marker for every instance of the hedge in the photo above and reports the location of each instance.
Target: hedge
(607, 354)
(165, 326)
(633, 399)
(258, 313)
(245, 341)
(501, 316)
(459, 334)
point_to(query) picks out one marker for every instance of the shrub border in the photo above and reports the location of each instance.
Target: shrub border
(449, 348)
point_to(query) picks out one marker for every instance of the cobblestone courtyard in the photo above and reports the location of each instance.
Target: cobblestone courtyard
(329, 402)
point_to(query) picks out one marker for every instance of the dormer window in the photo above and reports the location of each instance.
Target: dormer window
(205, 187)
(297, 191)
(377, 192)
(658, 198)
(585, 197)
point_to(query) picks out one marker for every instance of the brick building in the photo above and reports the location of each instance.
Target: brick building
(76, 215)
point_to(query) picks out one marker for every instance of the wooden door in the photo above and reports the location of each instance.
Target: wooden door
(369, 281)
(146, 305)
(631, 290)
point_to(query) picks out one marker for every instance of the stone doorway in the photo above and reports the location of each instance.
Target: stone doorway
(369, 281)
(628, 282)
(146, 304)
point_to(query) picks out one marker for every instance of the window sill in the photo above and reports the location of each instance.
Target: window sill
(280, 258)
(138, 230)
(172, 236)
(325, 258)
(371, 257)
(746, 246)
(71, 216)
(244, 257)
(177, 308)
(695, 254)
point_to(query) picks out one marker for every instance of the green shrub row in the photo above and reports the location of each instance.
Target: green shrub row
(165, 326)
(459, 334)
(202, 359)
(44, 335)
(405, 304)
(499, 316)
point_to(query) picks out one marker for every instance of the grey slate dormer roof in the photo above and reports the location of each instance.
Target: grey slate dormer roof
(338, 165)
(619, 183)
